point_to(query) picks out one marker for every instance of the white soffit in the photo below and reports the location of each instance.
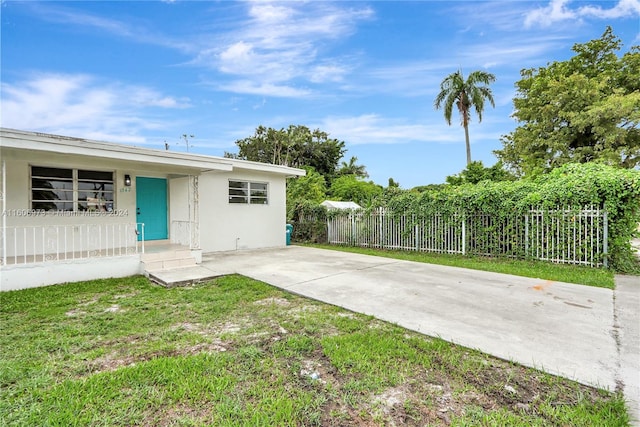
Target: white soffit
(24, 140)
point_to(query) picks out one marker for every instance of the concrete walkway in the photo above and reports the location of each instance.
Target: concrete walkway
(578, 332)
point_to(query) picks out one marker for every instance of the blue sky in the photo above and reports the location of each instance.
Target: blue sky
(366, 72)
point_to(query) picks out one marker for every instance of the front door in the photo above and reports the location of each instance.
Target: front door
(151, 207)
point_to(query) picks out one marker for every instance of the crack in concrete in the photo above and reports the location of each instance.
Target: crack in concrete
(615, 333)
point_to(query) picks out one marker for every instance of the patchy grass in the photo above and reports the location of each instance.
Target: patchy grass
(236, 352)
(598, 277)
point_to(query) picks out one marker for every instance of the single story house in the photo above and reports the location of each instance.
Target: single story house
(76, 209)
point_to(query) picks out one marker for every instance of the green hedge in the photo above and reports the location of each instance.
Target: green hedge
(573, 185)
(309, 222)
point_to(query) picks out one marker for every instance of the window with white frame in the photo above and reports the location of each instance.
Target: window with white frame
(73, 190)
(255, 193)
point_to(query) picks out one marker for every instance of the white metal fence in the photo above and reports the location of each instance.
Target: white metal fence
(28, 244)
(567, 235)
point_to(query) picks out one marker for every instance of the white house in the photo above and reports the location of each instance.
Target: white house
(75, 209)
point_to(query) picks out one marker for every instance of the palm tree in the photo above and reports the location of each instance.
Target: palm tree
(465, 94)
(352, 168)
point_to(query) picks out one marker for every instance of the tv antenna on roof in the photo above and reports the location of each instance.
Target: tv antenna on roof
(186, 139)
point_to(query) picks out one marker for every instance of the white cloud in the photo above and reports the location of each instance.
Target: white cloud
(560, 10)
(374, 129)
(276, 44)
(327, 73)
(264, 89)
(623, 9)
(137, 31)
(80, 105)
(269, 44)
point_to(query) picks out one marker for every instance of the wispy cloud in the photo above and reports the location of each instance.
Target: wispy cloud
(375, 129)
(561, 10)
(623, 9)
(259, 48)
(81, 105)
(137, 31)
(252, 87)
(284, 45)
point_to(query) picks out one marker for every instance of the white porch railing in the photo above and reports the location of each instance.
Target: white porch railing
(185, 233)
(43, 243)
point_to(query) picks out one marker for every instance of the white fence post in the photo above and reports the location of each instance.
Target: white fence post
(464, 234)
(605, 239)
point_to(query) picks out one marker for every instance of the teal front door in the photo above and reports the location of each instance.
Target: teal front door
(151, 207)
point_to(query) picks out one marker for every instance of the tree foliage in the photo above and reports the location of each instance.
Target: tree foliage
(465, 95)
(352, 168)
(573, 185)
(311, 188)
(351, 188)
(580, 110)
(476, 172)
(296, 146)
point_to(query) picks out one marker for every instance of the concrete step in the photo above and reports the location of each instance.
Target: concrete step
(165, 264)
(182, 276)
(166, 255)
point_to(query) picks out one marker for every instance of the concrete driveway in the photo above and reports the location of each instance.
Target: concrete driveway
(564, 329)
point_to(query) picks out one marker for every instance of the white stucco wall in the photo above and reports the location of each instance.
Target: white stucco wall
(227, 226)
(223, 226)
(16, 277)
(33, 240)
(102, 229)
(18, 197)
(74, 227)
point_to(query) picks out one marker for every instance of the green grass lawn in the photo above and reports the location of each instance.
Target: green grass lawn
(236, 352)
(589, 276)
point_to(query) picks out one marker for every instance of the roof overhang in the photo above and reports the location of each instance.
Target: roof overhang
(42, 142)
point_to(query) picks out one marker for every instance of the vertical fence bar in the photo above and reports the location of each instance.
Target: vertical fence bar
(464, 235)
(24, 237)
(605, 239)
(526, 235)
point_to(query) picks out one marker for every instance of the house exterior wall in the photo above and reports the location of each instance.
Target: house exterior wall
(16, 277)
(228, 226)
(73, 226)
(18, 198)
(223, 226)
(40, 248)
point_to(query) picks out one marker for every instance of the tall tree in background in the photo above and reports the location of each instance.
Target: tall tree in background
(351, 188)
(465, 95)
(476, 172)
(296, 146)
(584, 109)
(352, 168)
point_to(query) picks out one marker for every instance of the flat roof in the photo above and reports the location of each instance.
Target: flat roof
(36, 141)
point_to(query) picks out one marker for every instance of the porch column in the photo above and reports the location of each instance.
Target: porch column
(194, 209)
